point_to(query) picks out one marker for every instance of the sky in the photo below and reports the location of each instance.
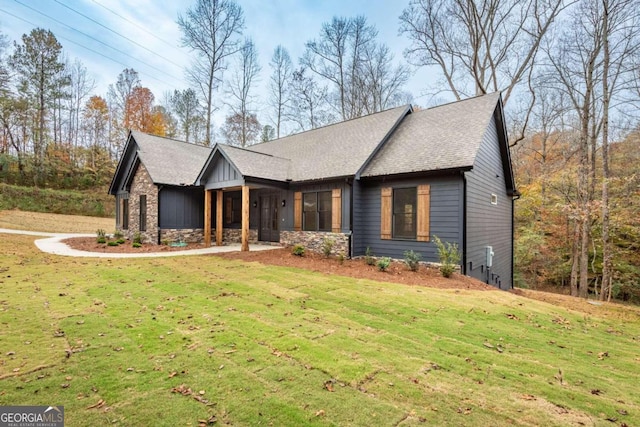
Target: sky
(110, 35)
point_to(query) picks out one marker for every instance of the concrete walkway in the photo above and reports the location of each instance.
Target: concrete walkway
(53, 244)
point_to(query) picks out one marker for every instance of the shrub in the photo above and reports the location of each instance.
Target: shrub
(118, 235)
(101, 240)
(112, 243)
(101, 236)
(341, 258)
(383, 263)
(137, 245)
(120, 240)
(412, 259)
(137, 238)
(449, 256)
(368, 257)
(298, 250)
(327, 246)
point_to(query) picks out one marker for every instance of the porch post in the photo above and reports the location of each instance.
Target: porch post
(219, 218)
(207, 218)
(245, 218)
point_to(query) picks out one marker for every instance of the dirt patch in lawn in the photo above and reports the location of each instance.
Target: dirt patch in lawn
(89, 244)
(357, 268)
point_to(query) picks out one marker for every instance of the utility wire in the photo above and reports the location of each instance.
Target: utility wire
(134, 24)
(99, 41)
(89, 49)
(115, 32)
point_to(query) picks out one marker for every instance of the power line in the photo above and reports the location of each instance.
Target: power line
(134, 24)
(98, 40)
(89, 49)
(115, 32)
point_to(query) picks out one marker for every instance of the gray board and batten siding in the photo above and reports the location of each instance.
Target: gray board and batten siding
(489, 224)
(445, 218)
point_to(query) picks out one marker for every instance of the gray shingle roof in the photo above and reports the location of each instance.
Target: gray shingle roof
(438, 138)
(333, 151)
(257, 165)
(170, 161)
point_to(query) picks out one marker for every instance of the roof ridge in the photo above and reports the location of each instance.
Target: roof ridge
(249, 150)
(332, 124)
(170, 139)
(460, 101)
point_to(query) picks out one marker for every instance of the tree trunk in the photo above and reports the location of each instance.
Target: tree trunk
(606, 244)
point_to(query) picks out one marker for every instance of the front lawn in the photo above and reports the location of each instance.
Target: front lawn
(197, 340)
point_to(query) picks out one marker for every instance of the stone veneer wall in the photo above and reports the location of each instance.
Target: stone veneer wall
(312, 240)
(143, 185)
(189, 235)
(234, 235)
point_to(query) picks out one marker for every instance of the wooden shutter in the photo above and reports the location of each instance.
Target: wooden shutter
(336, 210)
(297, 211)
(424, 206)
(386, 213)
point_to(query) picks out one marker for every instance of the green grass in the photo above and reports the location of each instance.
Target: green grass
(94, 202)
(281, 346)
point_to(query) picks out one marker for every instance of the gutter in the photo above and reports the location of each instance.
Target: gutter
(464, 223)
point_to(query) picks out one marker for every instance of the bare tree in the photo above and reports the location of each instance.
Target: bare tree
(186, 106)
(280, 85)
(309, 101)
(474, 43)
(241, 83)
(210, 29)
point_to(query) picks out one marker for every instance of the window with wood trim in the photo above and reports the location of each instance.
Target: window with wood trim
(405, 213)
(143, 213)
(125, 214)
(316, 211)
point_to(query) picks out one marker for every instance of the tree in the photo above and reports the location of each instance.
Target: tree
(210, 29)
(118, 97)
(280, 85)
(186, 106)
(473, 42)
(237, 128)
(81, 86)
(37, 61)
(309, 101)
(243, 79)
(95, 118)
(268, 133)
(143, 116)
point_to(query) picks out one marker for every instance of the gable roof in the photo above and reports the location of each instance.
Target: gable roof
(336, 150)
(249, 163)
(449, 138)
(170, 161)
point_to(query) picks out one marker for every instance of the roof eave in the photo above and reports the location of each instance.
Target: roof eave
(112, 190)
(408, 110)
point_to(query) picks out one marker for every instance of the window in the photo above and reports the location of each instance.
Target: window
(125, 214)
(143, 213)
(404, 213)
(233, 208)
(316, 213)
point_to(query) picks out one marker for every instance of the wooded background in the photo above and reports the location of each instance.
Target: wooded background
(569, 73)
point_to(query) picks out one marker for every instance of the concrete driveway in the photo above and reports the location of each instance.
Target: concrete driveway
(52, 244)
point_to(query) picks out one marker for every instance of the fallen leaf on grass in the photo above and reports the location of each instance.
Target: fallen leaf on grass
(528, 397)
(464, 411)
(512, 316)
(173, 374)
(622, 412)
(99, 404)
(320, 413)
(596, 392)
(488, 345)
(603, 354)
(328, 385)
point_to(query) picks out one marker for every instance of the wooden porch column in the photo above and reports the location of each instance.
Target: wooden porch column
(207, 218)
(219, 218)
(245, 218)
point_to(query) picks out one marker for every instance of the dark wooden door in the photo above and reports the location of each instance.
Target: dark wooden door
(269, 230)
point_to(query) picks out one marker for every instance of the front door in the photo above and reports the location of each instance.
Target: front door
(269, 230)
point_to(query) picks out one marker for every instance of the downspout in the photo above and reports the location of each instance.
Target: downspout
(513, 235)
(464, 223)
(350, 184)
(160, 187)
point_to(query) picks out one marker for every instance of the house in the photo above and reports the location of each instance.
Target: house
(389, 182)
